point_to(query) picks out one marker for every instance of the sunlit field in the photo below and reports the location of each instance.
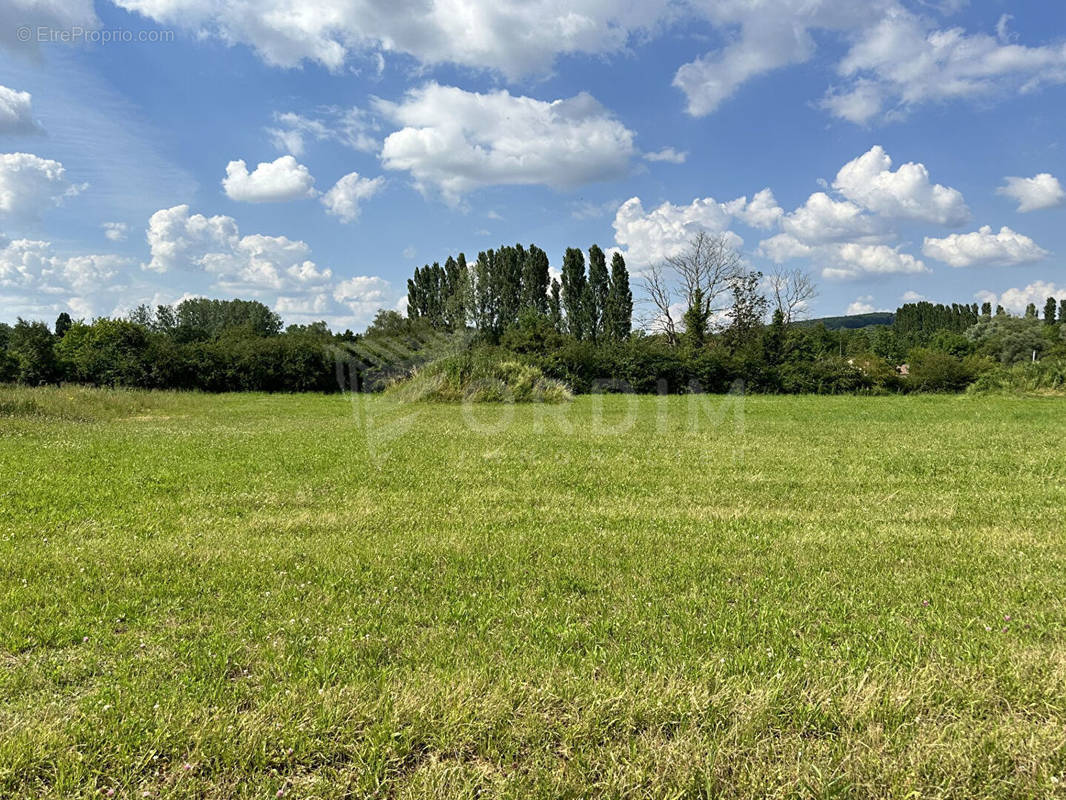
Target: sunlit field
(249, 596)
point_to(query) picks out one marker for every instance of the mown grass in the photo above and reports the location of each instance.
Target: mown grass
(235, 596)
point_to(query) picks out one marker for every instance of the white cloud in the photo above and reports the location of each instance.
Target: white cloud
(1016, 299)
(29, 184)
(667, 154)
(116, 231)
(770, 36)
(861, 305)
(33, 277)
(275, 268)
(651, 236)
(853, 260)
(363, 295)
(902, 61)
(351, 127)
(344, 198)
(1035, 193)
(274, 181)
(984, 247)
(911, 296)
(516, 37)
(409, 252)
(455, 140)
(761, 212)
(822, 219)
(16, 114)
(783, 247)
(906, 193)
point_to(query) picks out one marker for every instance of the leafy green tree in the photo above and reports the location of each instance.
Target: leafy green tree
(63, 323)
(31, 346)
(1030, 311)
(1049, 311)
(1062, 311)
(535, 280)
(695, 320)
(574, 295)
(747, 311)
(986, 309)
(555, 306)
(619, 310)
(110, 352)
(200, 318)
(599, 284)
(774, 341)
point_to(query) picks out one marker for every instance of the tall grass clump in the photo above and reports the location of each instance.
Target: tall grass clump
(81, 403)
(1041, 377)
(480, 376)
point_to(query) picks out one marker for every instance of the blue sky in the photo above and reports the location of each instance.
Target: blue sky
(894, 149)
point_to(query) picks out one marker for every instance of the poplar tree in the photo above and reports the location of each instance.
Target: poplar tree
(599, 286)
(574, 292)
(555, 308)
(535, 280)
(619, 311)
(1049, 311)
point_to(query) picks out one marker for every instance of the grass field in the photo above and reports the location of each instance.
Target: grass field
(250, 596)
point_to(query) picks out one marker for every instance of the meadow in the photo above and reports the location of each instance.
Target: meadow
(310, 596)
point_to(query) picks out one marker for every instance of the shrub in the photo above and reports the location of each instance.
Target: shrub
(485, 375)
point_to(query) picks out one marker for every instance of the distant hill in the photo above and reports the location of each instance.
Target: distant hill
(853, 321)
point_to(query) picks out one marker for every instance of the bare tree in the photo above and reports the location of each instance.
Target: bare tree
(792, 291)
(700, 274)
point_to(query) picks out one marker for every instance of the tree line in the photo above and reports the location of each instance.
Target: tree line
(707, 321)
(506, 283)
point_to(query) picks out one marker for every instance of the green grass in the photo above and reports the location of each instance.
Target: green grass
(231, 596)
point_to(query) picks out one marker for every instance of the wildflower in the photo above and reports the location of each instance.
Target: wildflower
(1006, 617)
(925, 602)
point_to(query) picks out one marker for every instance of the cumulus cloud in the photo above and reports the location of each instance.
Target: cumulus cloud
(852, 260)
(861, 305)
(351, 127)
(34, 277)
(363, 294)
(1016, 299)
(901, 61)
(984, 247)
(667, 154)
(180, 240)
(1035, 193)
(906, 193)
(651, 236)
(515, 37)
(29, 184)
(16, 114)
(822, 219)
(116, 231)
(274, 181)
(278, 269)
(455, 141)
(343, 200)
(767, 38)
(911, 296)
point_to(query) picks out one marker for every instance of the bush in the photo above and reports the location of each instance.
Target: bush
(1042, 377)
(485, 375)
(935, 371)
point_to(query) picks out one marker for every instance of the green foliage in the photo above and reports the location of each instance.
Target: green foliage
(618, 314)
(1024, 378)
(109, 352)
(598, 290)
(575, 294)
(936, 371)
(30, 346)
(199, 319)
(1009, 340)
